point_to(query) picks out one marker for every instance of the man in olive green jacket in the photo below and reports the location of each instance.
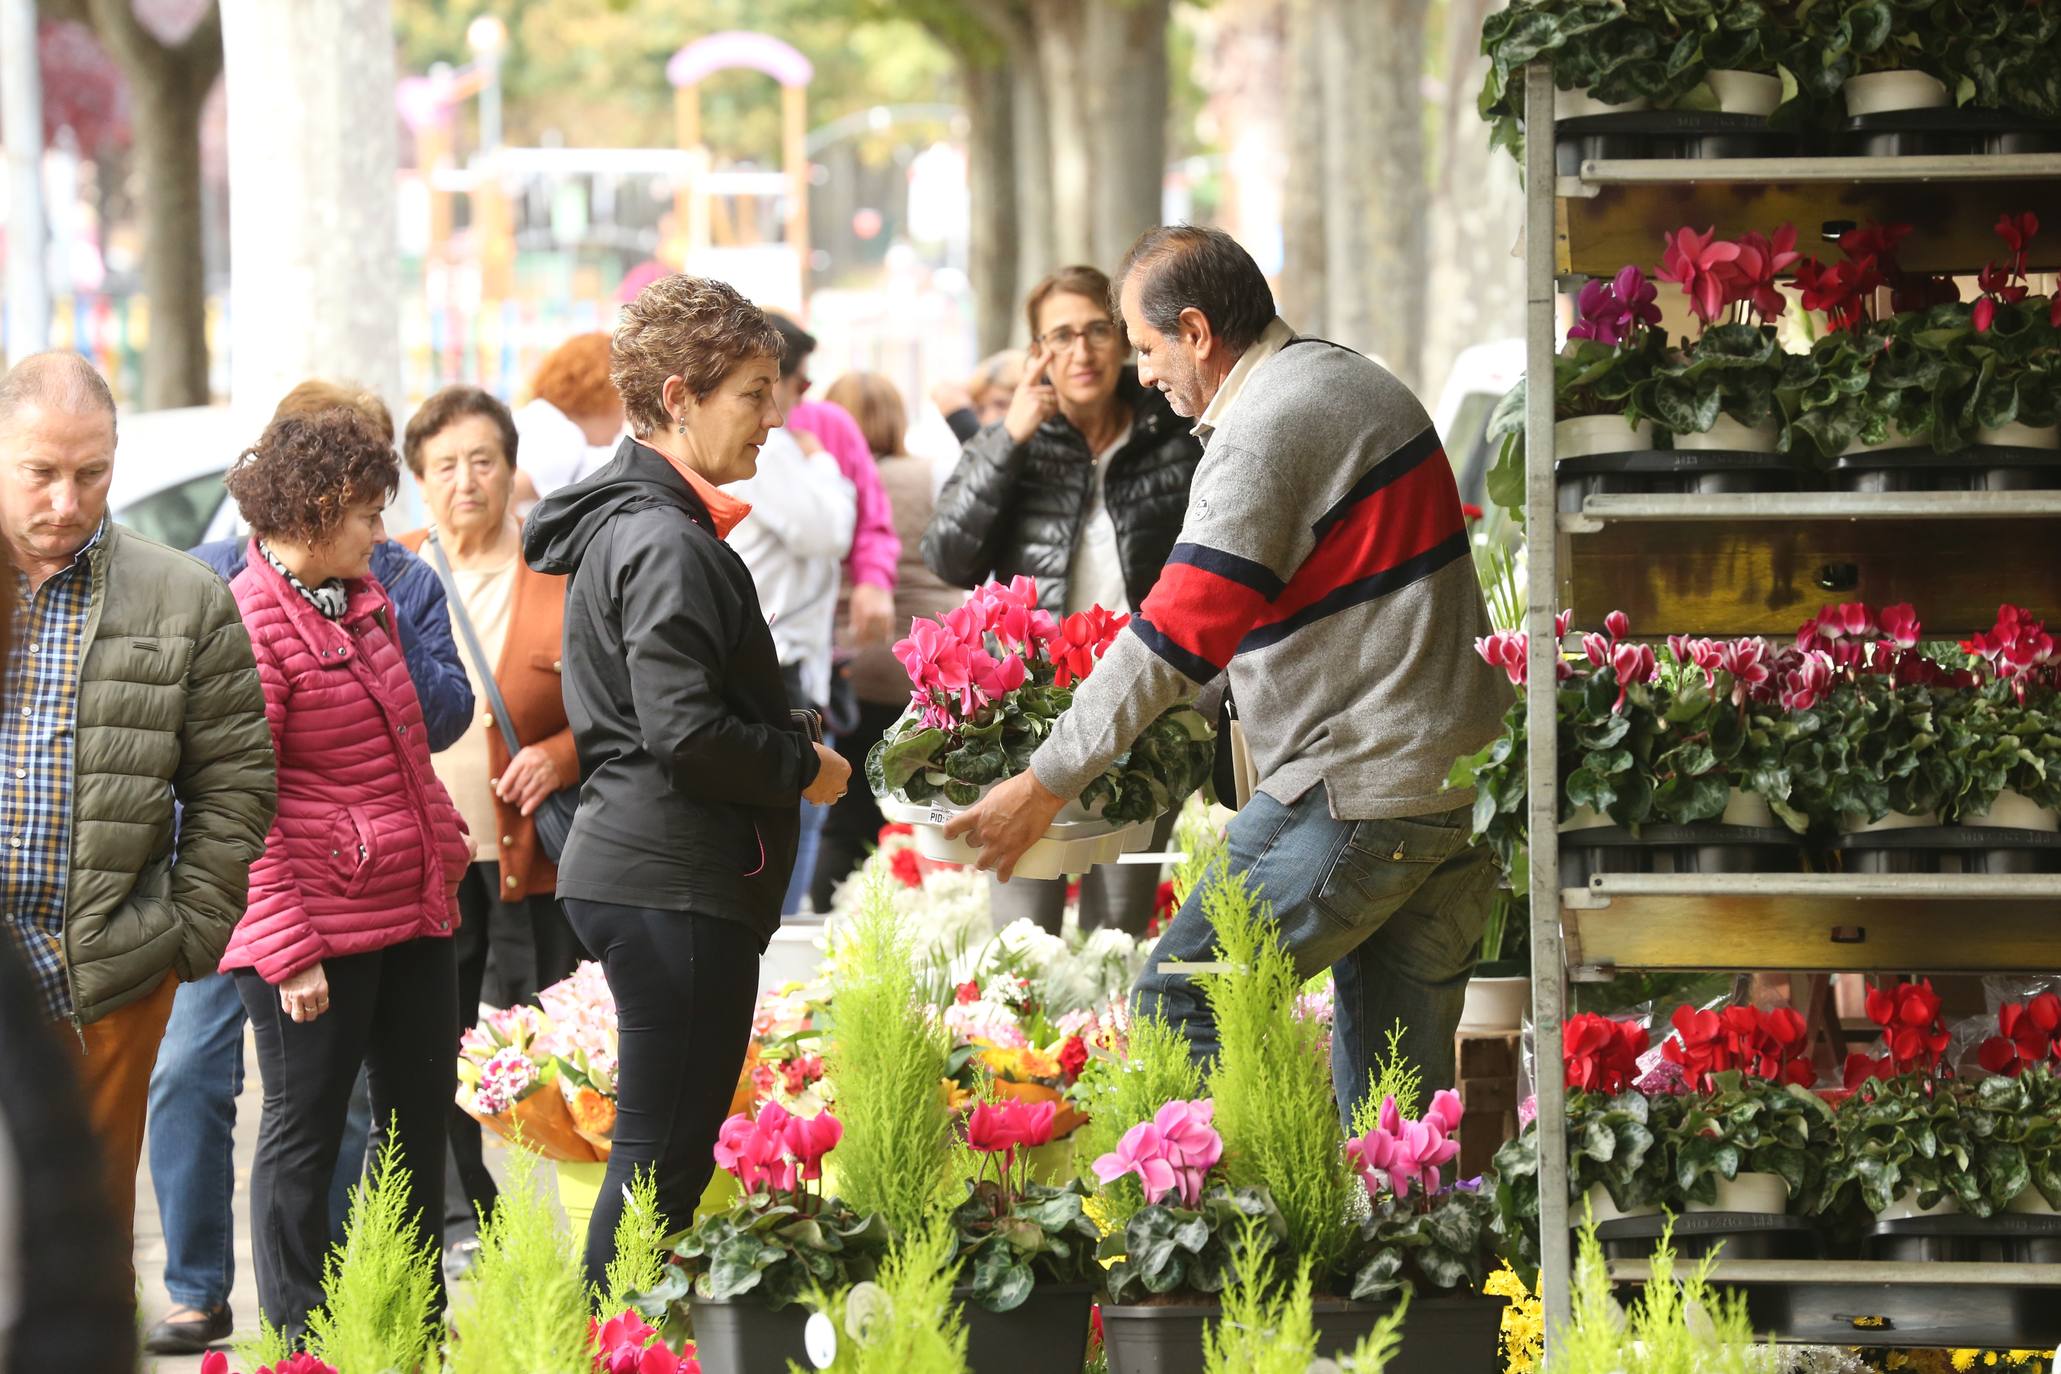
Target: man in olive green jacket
(130, 687)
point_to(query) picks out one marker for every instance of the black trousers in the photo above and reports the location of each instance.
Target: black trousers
(395, 1011)
(853, 826)
(684, 987)
(507, 952)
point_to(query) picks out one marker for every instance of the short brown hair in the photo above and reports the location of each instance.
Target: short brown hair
(877, 406)
(574, 377)
(306, 472)
(449, 406)
(1078, 280)
(692, 327)
(315, 395)
(1183, 266)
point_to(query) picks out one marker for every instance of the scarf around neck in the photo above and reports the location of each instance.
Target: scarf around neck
(330, 599)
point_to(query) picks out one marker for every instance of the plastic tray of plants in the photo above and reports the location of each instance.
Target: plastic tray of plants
(1950, 849)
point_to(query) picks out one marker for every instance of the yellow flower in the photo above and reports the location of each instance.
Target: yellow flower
(1025, 1065)
(1964, 1360)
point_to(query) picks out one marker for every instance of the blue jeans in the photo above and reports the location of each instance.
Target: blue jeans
(1393, 908)
(193, 1092)
(812, 818)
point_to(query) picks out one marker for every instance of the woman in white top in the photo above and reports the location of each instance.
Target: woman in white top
(572, 422)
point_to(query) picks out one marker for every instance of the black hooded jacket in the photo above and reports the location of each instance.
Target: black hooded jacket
(1013, 508)
(691, 769)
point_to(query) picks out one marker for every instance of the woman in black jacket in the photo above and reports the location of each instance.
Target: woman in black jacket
(690, 763)
(1083, 486)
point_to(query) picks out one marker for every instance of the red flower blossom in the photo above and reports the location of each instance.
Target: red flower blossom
(1073, 1057)
(1912, 1033)
(1469, 511)
(2027, 1035)
(967, 992)
(1601, 1055)
(1697, 263)
(906, 867)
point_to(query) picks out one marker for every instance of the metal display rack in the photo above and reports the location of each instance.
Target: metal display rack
(1762, 564)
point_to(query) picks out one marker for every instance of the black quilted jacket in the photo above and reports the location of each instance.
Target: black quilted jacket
(1014, 508)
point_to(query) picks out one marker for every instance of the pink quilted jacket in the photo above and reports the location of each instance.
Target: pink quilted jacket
(367, 850)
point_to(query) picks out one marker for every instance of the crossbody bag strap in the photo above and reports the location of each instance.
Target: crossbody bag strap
(472, 645)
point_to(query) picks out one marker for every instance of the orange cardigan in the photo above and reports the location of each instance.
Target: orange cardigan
(528, 676)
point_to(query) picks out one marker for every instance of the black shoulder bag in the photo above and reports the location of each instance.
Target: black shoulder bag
(554, 815)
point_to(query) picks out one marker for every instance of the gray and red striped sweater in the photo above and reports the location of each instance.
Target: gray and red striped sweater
(1324, 563)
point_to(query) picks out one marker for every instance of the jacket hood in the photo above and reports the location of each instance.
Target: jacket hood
(560, 527)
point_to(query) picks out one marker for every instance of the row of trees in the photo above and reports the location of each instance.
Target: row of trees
(1390, 199)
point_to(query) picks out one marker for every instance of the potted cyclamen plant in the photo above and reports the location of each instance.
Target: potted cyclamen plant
(743, 1272)
(2022, 1150)
(1751, 1132)
(988, 680)
(1719, 391)
(1873, 56)
(2007, 344)
(1026, 1250)
(2007, 734)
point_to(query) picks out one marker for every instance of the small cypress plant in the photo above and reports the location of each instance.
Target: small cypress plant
(379, 1287)
(1272, 1080)
(1263, 1330)
(887, 1054)
(529, 1306)
(1392, 1075)
(640, 1249)
(906, 1321)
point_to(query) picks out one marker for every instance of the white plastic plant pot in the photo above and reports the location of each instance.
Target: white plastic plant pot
(2031, 1203)
(1585, 818)
(2014, 811)
(1763, 1194)
(1905, 1206)
(1580, 105)
(1589, 434)
(1748, 808)
(1745, 93)
(1729, 435)
(1495, 1005)
(1070, 812)
(1068, 846)
(1603, 1209)
(1849, 824)
(1894, 441)
(2015, 435)
(1881, 92)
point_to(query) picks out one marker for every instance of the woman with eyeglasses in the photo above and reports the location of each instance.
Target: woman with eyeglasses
(1081, 485)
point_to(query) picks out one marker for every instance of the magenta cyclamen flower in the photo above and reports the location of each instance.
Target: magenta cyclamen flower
(1900, 625)
(1400, 1152)
(1192, 1144)
(1611, 312)
(1171, 1154)
(1508, 650)
(1140, 1152)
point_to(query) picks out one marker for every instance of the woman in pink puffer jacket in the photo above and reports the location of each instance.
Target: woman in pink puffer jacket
(343, 956)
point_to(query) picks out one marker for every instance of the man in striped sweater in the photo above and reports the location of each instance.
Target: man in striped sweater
(1323, 564)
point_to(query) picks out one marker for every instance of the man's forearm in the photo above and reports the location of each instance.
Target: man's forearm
(1130, 688)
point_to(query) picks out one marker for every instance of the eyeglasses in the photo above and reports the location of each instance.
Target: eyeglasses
(1101, 334)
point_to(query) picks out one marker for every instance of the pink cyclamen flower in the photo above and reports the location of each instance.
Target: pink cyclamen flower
(1619, 624)
(1560, 622)
(1190, 1140)
(1804, 685)
(1900, 625)
(1692, 261)
(1631, 663)
(1140, 1152)
(1597, 648)
(1446, 1110)
(1508, 650)
(809, 1138)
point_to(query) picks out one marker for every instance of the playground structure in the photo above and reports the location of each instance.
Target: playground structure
(720, 216)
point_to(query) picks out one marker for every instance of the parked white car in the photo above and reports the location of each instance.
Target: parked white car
(1479, 378)
(169, 466)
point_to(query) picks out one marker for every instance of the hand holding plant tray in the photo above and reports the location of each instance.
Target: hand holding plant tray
(990, 679)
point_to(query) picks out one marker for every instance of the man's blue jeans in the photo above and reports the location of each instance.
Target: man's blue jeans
(193, 1094)
(1392, 907)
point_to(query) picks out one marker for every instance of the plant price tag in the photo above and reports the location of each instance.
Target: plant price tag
(819, 1338)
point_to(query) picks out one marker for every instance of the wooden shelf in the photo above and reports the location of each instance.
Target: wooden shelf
(1816, 923)
(1616, 212)
(1764, 564)
(1874, 1303)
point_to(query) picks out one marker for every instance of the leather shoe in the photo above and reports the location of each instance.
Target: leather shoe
(193, 1335)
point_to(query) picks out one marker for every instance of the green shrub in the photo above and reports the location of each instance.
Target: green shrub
(907, 1322)
(527, 1305)
(640, 1251)
(379, 1287)
(1262, 1330)
(1272, 1079)
(1117, 1094)
(887, 1056)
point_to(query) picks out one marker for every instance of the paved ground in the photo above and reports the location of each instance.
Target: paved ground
(150, 1241)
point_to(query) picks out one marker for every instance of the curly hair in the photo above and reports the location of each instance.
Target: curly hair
(692, 327)
(316, 395)
(574, 377)
(306, 472)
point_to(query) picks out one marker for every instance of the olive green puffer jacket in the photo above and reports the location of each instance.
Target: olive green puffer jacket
(169, 710)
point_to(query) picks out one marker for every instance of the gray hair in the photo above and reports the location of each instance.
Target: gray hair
(57, 380)
(1184, 266)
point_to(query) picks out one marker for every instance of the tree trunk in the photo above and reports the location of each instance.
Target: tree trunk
(1037, 249)
(991, 187)
(1303, 298)
(312, 217)
(1477, 210)
(1104, 69)
(1392, 169)
(175, 366)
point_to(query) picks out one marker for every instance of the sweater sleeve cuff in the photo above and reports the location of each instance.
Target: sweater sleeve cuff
(1065, 778)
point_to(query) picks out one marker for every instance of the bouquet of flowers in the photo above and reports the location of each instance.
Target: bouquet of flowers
(989, 679)
(580, 1037)
(509, 1081)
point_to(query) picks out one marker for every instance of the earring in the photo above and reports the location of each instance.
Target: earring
(683, 426)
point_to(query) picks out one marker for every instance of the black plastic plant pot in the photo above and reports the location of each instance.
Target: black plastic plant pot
(1674, 472)
(1707, 147)
(1571, 151)
(1912, 143)
(1703, 848)
(1979, 468)
(2007, 1238)
(1737, 1235)
(744, 1337)
(1950, 849)
(1999, 468)
(1048, 1331)
(1441, 1335)
(2023, 141)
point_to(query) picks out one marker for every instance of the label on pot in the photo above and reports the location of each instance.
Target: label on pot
(819, 1339)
